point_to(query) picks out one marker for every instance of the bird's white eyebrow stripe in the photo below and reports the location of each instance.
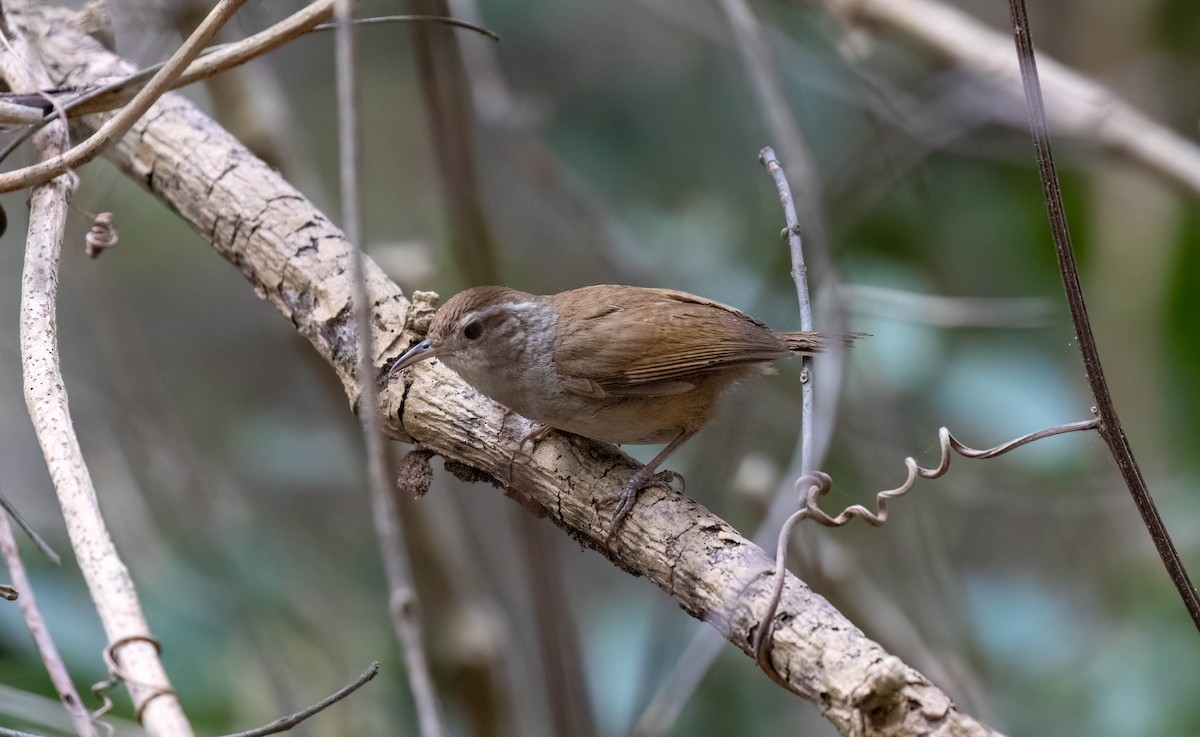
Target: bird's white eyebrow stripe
(492, 309)
(520, 305)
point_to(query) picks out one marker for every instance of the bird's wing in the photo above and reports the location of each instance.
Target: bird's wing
(651, 342)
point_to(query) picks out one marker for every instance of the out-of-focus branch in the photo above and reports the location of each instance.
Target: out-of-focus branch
(949, 312)
(402, 597)
(451, 95)
(248, 100)
(40, 633)
(1080, 107)
(443, 81)
(298, 262)
(751, 41)
(111, 587)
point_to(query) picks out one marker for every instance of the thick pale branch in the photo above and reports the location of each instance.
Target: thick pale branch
(296, 259)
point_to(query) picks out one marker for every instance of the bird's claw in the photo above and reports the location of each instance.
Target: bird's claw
(667, 479)
(623, 502)
(535, 436)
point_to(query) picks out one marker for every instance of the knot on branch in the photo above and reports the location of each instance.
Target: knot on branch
(420, 312)
(880, 694)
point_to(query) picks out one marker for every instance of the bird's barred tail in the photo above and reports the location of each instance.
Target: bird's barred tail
(801, 342)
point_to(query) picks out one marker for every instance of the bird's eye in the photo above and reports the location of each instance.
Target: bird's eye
(472, 331)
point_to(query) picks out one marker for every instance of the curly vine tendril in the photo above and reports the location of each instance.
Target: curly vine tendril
(811, 486)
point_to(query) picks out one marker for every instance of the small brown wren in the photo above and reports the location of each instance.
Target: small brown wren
(613, 363)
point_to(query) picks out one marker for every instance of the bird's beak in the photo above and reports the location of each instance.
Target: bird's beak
(416, 354)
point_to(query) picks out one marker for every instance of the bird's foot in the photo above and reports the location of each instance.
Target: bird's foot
(627, 497)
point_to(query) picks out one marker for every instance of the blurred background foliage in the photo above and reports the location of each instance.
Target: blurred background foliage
(620, 145)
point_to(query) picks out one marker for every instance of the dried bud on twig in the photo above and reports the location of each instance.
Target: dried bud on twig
(102, 235)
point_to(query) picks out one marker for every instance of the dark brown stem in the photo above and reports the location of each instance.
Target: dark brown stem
(286, 723)
(1110, 425)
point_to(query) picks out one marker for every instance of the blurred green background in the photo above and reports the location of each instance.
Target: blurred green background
(617, 142)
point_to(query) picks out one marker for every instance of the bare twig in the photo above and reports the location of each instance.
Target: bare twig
(442, 19)
(213, 60)
(752, 44)
(402, 598)
(800, 275)
(107, 577)
(120, 123)
(37, 539)
(36, 624)
(1110, 425)
(15, 113)
(286, 723)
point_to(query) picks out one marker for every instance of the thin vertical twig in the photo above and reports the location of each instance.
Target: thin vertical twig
(1110, 425)
(402, 601)
(36, 624)
(762, 638)
(752, 45)
(800, 276)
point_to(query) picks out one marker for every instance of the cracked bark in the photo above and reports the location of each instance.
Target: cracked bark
(295, 259)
